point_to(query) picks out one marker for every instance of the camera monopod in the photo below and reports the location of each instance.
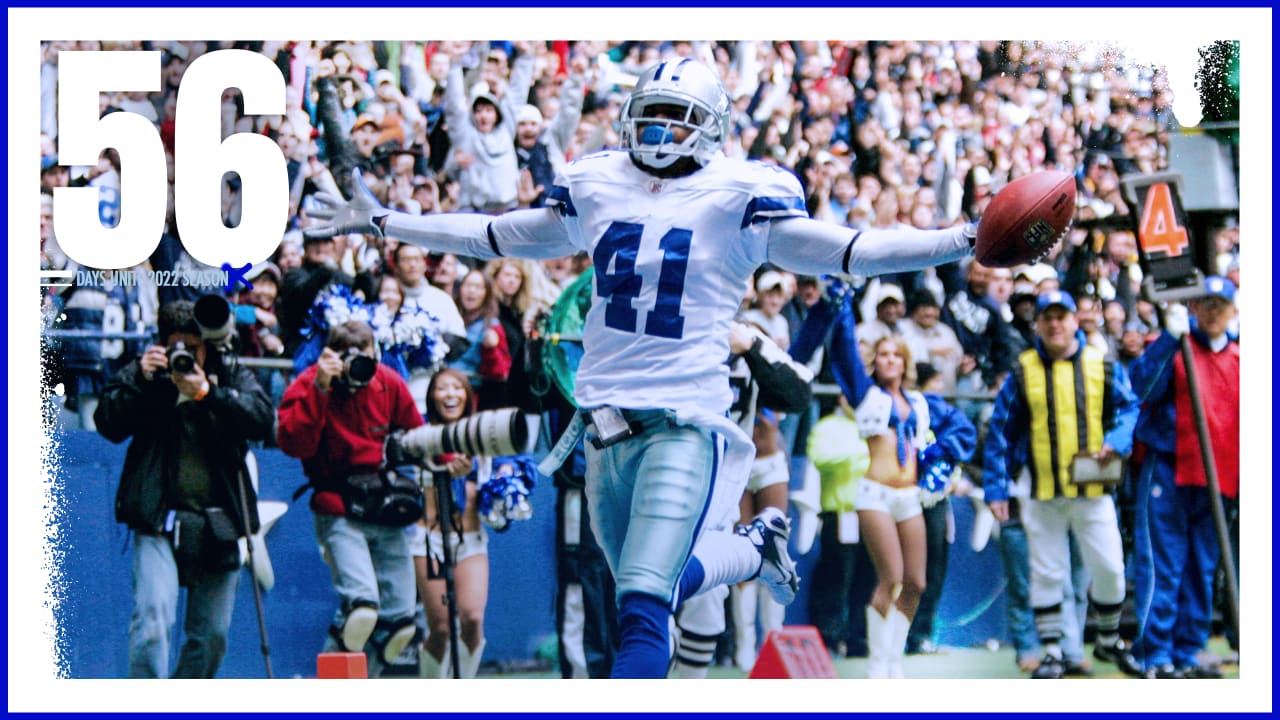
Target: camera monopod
(442, 484)
(253, 568)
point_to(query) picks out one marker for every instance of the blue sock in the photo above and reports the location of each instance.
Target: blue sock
(691, 580)
(644, 650)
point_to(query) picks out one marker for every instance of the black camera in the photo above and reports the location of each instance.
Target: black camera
(181, 360)
(358, 369)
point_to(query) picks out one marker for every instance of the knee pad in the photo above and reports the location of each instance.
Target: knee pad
(399, 633)
(361, 618)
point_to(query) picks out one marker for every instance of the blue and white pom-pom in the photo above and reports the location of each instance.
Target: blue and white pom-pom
(504, 498)
(409, 339)
(414, 334)
(333, 306)
(936, 471)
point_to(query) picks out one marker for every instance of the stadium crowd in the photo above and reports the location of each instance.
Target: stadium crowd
(879, 134)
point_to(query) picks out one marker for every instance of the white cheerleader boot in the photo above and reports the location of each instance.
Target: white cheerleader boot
(428, 667)
(898, 627)
(469, 660)
(877, 645)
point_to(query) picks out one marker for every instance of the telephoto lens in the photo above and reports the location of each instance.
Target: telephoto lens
(491, 432)
(181, 360)
(214, 317)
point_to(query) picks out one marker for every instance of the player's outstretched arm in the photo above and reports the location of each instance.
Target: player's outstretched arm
(360, 214)
(537, 234)
(816, 248)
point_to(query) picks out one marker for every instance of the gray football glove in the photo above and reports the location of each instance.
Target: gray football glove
(356, 215)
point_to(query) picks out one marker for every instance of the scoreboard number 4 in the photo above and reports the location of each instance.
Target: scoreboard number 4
(201, 159)
(1159, 230)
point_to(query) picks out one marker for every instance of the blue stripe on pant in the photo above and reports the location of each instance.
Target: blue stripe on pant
(1175, 554)
(648, 499)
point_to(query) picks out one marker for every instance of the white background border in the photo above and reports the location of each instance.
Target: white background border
(32, 684)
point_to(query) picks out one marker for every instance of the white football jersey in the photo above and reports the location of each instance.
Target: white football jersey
(672, 258)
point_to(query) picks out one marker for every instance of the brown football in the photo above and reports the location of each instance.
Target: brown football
(1026, 219)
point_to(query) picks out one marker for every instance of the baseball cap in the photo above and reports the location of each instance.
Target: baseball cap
(889, 291)
(768, 281)
(1036, 273)
(267, 268)
(362, 120)
(1218, 286)
(383, 76)
(1055, 297)
(528, 113)
(1137, 326)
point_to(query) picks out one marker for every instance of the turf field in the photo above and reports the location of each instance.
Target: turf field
(950, 663)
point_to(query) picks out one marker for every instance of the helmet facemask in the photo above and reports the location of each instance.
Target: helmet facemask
(690, 97)
(651, 140)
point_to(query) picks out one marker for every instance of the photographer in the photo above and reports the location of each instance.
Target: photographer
(335, 417)
(183, 490)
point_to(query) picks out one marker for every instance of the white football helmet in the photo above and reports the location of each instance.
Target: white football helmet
(685, 84)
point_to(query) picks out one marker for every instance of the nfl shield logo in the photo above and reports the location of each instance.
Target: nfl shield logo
(655, 186)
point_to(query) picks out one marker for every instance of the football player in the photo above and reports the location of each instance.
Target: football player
(674, 228)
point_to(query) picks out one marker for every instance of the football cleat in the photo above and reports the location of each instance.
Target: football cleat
(1165, 672)
(769, 532)
(1199, 672)
(1050, 668)
(1119, 655)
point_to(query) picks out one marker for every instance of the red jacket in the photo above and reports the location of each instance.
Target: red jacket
(337, 433)
(1218, 375)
